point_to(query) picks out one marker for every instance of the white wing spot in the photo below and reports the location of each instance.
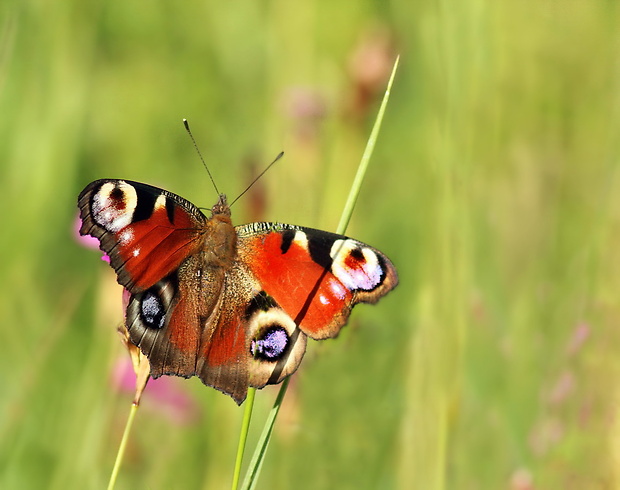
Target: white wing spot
(125, 236)
(301, 239)
(337, 289)
(160, 202)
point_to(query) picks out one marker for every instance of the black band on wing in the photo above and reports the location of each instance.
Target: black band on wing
(145, 205)
(261, 302)
(320, 246)
(170, 205)
(287, 240)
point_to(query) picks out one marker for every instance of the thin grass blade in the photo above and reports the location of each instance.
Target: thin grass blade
(256, 463)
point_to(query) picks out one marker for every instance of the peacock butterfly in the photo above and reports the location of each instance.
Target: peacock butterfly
(231, 305)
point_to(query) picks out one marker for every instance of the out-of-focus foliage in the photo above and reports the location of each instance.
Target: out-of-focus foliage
(493, 188)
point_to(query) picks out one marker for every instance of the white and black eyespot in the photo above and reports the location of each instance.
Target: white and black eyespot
(356, 266)
(152, 305)
(271, 344)
(269, 325)
(113, 205)
(275, 345)
(152, 310)
(270, 328)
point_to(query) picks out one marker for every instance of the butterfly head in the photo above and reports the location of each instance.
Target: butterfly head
(221, 206)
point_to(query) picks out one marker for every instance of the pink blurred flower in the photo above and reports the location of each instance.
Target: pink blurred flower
(578, 339)
(304, 103)
(162, 395)
(545, 435)
(306, 107)
(125, 299)
(521, 479)
(87, 240)
(563, 388)
(370, 65)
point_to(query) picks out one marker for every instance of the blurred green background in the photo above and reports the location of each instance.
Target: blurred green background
(493, 188)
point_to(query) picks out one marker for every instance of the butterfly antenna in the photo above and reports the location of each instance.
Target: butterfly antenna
(189, 131)
(280, 155)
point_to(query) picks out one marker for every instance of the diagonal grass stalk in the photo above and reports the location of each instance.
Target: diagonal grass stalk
(255, 466)
(142, 369)
(121, 448)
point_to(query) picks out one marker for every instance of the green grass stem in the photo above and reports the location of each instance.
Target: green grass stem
(243, 436)
(122, 446)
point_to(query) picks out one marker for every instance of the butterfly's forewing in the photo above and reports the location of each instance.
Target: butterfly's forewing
(313, 275)
(146, 231)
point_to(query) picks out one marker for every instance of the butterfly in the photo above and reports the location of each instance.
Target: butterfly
(233, 305)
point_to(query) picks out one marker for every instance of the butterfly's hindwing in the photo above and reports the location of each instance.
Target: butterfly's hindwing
(253, 343)
(161, 322)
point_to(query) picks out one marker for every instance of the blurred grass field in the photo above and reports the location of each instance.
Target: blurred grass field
(493, 188)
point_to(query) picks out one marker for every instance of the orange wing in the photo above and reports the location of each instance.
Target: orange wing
(315, 276)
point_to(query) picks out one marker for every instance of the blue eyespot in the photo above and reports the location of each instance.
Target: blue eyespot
(271, 345)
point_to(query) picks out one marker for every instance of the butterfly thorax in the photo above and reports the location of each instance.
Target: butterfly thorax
(219, 247)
